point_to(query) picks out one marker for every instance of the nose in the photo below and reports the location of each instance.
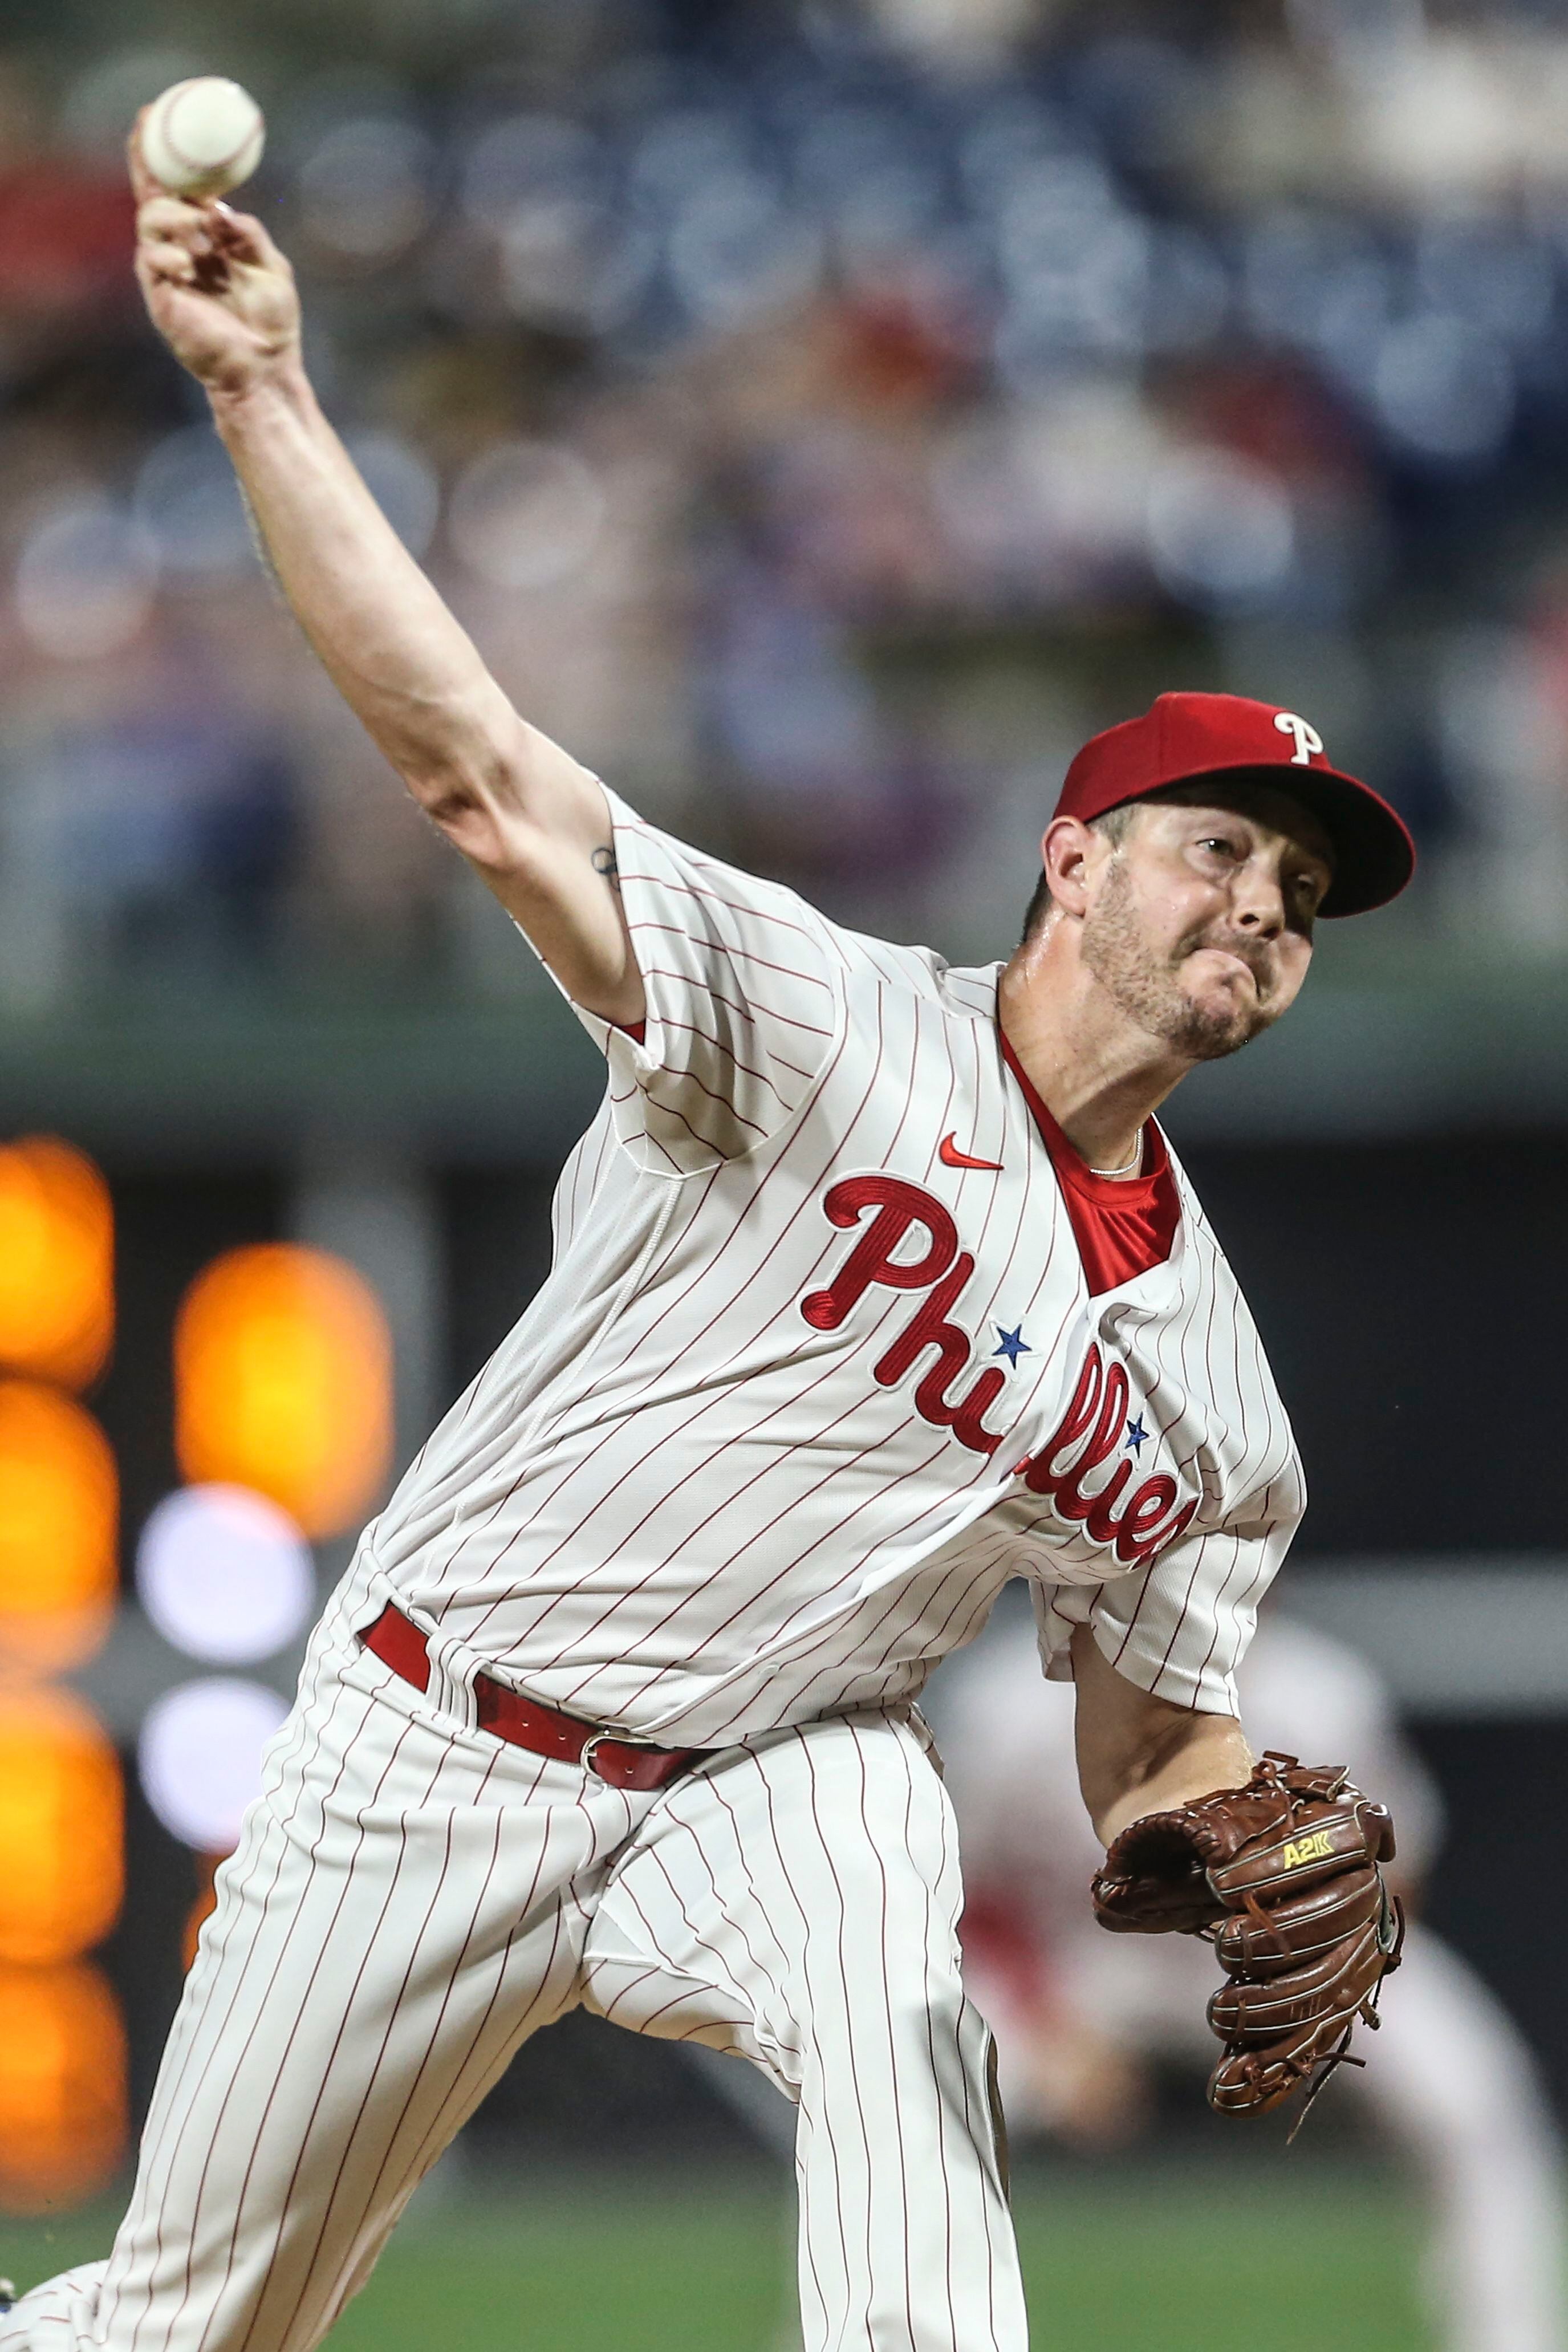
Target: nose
(1258, 900)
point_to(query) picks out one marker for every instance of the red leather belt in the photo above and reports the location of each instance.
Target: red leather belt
(507, 1715)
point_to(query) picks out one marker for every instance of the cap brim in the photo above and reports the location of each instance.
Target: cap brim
(1374, 856)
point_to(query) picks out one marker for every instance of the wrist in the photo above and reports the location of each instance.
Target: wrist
(280, 387)
(1213, 1755)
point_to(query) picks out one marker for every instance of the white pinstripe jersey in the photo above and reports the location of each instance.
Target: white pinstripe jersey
(754, 1454)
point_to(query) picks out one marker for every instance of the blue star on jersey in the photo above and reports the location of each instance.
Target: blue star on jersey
(1136, 1437)
(1014, 1343)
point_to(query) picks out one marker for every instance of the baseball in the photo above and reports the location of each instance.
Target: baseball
(203, 137)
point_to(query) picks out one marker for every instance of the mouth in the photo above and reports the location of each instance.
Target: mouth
(1230, 962)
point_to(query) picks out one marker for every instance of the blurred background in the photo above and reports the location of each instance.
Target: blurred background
(825, 414)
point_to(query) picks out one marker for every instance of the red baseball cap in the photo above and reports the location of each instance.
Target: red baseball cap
(1188, 735)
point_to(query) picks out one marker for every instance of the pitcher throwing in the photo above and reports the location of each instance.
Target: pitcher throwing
(876, 1283)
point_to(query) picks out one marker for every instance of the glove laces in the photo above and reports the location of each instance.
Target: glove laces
(1391, 1940)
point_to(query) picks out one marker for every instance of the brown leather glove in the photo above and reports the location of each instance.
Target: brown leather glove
(1282, 1877)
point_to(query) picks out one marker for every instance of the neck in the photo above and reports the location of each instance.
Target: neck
(1098, 1074)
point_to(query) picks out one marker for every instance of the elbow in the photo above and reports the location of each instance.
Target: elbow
(468, 801)
(444, 797)
(456, 810)
(453, 807)
(463, 760)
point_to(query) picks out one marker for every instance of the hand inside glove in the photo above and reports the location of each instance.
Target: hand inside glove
(1282, 1877)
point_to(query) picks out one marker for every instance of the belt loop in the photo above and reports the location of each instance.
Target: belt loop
(452, 1670)
(358, 1602)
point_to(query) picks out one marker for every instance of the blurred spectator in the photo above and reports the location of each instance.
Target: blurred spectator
(148, 832)
(64, 220)
(770, 387)
(1079, 2015)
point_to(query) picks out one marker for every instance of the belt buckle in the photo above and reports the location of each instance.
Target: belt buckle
(603, 1739)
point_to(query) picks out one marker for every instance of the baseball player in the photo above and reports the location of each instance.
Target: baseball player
(1449, 2077)
(875, 1283)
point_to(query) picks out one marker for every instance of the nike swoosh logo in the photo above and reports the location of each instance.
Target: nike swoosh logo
(948, 1152)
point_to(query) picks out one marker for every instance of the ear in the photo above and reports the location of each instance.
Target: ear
(1068, 853)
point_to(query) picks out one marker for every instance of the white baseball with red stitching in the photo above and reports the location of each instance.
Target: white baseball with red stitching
(203, 137)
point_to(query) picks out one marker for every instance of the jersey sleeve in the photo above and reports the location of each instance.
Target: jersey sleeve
(1179, 1628)
(744, 1004)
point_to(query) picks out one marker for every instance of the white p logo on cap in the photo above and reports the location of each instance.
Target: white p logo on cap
(1307, 738)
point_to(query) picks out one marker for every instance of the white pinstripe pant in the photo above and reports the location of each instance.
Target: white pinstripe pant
(411, 1898)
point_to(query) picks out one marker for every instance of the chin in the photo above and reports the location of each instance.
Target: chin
(1208, 1028)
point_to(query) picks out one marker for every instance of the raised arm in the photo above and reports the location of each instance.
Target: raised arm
(535, 823)
(1138, 1754)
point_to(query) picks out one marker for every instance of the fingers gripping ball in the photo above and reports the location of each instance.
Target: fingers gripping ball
(1283, 1878)
(203, 137)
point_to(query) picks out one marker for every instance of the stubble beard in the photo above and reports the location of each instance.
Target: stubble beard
(1147, 986)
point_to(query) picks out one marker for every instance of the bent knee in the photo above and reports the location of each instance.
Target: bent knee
(62, 2312)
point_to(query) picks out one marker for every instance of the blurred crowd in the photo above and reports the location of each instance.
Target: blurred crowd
(823, 417)
(1083, 2027)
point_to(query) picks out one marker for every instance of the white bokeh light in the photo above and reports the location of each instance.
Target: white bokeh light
(525, 514)
(188, 505)
(526, 159)
(364, 190)
(199, 1757)
(85, 580)
(1220, 529)
(736, 250)
(1445, 390)
(403, 483)
(225, 1574)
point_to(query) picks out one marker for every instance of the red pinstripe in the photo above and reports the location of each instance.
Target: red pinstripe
(670, 1306)
(690, 1078)
(747, 1011)
(690, 1029)
(626, 1476)
(666, 1496)
(732, 905)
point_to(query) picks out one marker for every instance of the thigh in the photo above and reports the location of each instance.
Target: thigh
(407, 1903)
(798, 1903)
(806, 1884)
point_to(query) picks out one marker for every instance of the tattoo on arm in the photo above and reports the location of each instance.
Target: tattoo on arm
(603, 862)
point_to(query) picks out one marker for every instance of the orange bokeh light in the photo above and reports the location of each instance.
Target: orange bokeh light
(283, 1382)
(62, 1828)
(57, 1263)
(60, 1508)
(63, 2096)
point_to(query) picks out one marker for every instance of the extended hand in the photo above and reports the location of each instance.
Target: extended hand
(215, 286)
(1284, 1875)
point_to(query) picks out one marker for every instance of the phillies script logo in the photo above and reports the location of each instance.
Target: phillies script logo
(1091, 1432)
(1093, 1428)
(942, 1269)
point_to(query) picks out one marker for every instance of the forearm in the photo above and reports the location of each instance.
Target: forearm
(536, 824)
(1138, 1754)
(395, 653)
(1210, 1753)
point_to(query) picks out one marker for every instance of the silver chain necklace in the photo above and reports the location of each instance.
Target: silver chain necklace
(1127, 1166)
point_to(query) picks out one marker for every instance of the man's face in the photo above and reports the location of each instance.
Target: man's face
(1200, 922)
